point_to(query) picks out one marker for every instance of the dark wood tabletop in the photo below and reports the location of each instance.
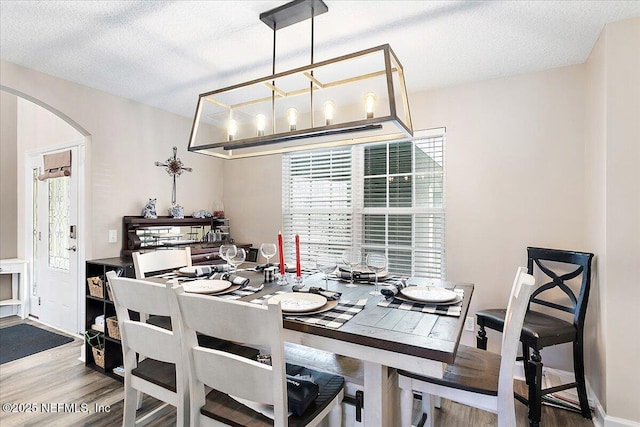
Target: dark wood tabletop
(430, 336)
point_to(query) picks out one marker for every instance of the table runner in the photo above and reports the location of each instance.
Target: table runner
(334, 318)
(446, 310)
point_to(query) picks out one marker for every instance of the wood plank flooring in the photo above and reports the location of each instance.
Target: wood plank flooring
(56, 376)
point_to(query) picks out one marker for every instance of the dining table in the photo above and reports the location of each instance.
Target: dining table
(383, 336)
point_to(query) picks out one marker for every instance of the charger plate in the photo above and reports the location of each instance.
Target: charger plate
(330, 305)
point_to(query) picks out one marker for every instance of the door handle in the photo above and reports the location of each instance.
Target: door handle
(72, 248)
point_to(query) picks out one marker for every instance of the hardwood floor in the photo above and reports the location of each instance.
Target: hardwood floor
(56, 376)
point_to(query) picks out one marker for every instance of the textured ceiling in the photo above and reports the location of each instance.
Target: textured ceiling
(165, 53)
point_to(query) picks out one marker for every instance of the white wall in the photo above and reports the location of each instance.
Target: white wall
(125, 139)
(595, 214)
(8, 191)
(622, 139)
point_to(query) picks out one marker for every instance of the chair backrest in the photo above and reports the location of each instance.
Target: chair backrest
(136, 335)
(252, 324)
(523, 287)
(160, 260)
(580, 261)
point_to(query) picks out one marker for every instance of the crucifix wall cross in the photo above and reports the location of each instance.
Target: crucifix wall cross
(174, 167)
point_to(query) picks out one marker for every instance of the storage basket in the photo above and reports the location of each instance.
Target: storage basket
(109, 292)
(95, 287)
(112, 327)
(98, 356)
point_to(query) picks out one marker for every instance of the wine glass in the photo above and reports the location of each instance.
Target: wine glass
(376, 262)
(227, 249)
(352, 258)
(268, 250)
(326, 264)
(237, 258)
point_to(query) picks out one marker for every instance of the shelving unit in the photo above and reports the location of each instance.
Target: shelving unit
(18, 269)
(96, 306)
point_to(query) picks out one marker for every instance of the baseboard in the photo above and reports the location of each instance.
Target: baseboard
(600, 417)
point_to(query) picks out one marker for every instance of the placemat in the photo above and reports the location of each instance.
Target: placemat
(344, 311)
(240, 293)
(446, 310)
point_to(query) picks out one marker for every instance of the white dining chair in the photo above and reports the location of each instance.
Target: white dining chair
(153, 356)
(230, 375)
(160, 260)
(477, 378)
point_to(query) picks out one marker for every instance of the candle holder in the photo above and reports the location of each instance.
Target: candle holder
(283, 279)
(297, 280)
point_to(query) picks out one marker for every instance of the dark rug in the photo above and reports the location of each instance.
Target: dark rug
(24, 340)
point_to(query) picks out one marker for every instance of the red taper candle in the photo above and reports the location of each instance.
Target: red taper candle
(298, 255)
(281, 252)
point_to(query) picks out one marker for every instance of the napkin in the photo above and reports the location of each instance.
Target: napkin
(206, 270)
(390, 291)
(236, 280)
(329, 295)
(359, 275)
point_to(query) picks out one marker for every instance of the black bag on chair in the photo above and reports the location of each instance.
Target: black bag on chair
(301, 393)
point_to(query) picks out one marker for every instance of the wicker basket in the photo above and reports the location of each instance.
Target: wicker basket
(95, 287)
(109, 292)
(98, 356)
(112, 327)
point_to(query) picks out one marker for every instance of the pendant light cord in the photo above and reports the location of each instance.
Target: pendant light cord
(273, 83)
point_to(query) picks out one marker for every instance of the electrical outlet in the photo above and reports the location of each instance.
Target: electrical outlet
(113, 236)
(469, 324)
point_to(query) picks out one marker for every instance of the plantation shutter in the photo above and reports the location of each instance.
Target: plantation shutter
(317, 203)
(385, 197)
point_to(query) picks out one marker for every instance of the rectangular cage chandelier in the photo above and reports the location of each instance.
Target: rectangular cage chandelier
(352, 99)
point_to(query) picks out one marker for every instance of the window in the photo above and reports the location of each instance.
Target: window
(378, 197)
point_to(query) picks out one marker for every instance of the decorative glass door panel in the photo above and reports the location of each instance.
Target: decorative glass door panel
(59, 223)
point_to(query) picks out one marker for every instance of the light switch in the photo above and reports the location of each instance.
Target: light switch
(113, 236)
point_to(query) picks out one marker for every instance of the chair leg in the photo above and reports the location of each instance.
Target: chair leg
(130, 403)
(481, 339)
(139, 399)
(428, 405)
(334, 419)
(526, 356)
(534, 375)
(406, 407)
(578, 367)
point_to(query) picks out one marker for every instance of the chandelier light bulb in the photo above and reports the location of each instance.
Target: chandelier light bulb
(292, 118)
(232, 128)
(369, 104)
(261, 123)
(329, 110)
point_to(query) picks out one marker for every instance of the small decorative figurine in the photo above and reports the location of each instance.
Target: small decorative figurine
(202, 214)
(149, 210)
(176, 211)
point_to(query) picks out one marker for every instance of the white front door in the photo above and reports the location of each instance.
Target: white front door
(55, 292)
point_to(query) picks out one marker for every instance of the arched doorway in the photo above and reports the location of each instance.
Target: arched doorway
(51, 213)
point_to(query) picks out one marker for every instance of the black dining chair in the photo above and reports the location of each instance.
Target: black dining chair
(542, 329)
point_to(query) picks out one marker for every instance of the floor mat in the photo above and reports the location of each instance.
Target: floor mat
(23, 340)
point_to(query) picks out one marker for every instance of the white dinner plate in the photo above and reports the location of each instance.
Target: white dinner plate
(205, 286)
(299, 302)
(430, 294)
